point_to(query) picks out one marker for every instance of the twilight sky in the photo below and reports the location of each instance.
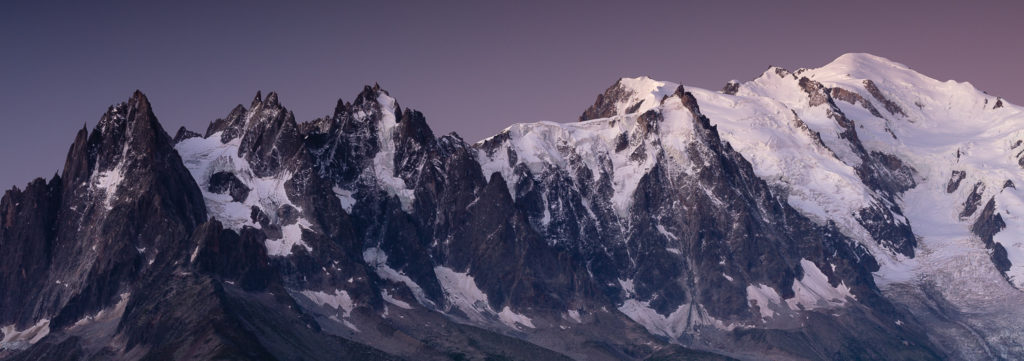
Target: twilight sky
(473, 67)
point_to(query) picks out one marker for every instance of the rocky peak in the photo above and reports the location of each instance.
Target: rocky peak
(267, 133)
(124, 190)
(183, 133)
(605, 104)
(257, 100)
(241, 121)
(129, 152)
(369, 95)
(413, 125)
(231, 126)
(127, 133)
(119, 128)
(627, 96)
(358, 131)
(271, 137)
(271, 101)
(688, 101)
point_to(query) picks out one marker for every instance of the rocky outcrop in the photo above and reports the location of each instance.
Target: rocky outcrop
(988, 223)
(889, 105)
(731, 88)
(183, 134)
(607, 102)
(955, 178)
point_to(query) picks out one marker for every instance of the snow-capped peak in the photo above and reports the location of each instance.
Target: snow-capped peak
(863, 65)
(646, 91)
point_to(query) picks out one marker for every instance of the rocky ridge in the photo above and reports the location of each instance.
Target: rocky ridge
(791, 217)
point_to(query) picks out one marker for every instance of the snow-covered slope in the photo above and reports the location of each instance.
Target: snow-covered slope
(935, 127)
(860, 142)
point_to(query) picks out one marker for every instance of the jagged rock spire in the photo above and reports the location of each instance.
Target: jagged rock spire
(257, 100)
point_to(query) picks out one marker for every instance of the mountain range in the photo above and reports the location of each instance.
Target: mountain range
(860, 210)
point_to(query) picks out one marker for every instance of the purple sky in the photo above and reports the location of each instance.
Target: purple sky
(471, 67)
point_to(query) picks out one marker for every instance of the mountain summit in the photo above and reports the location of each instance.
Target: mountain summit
(860, 210)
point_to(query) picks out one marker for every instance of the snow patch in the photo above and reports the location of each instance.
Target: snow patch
(376, 258)
(764, 298)
(394, 301)
(350, 325)
(15, 339)
(206, 156)
(291, 236)
(513, 319)
(384, 161)
(574, 315)
(339, 300)
(345, 322)
(108, 182)
(628, 287)
(686, 317)
(814, 291)
(345, 196)
(666, 233)
(462, 292)
(111, 313)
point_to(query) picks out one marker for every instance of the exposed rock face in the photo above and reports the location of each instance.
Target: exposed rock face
(606, 102)
(183, 134)
(123, 189)
(954, 180)
(731, 88)
(883, 173)
(973, 200)
(228, 183)
(765, 220)
(855, 99)
(889, 105)
(986, 226)
(238, 258)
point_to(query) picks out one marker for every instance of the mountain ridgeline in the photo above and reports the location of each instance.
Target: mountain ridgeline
(855, 211)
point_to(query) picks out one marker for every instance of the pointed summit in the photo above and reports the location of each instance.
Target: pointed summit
(127, 133)
(128, 128)
(183, 133)
(368, 95)
(413, 124)
(270, 135)
(257, 100)
(627, 96)
(271, 100)
(138, 98)
(240, 119)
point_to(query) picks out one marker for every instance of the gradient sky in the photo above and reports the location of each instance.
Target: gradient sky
(471, 67)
